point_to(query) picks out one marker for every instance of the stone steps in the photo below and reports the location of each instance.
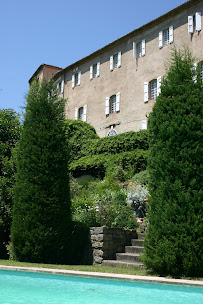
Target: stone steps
(131, 256)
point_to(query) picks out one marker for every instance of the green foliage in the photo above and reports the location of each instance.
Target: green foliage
(141, 178)
(174, 241)
(96, 165)
(10, 130)
(124, 142)
(103, 203)
(80, 135)
(41, 213)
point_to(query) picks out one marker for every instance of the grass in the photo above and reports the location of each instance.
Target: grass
(92, 268)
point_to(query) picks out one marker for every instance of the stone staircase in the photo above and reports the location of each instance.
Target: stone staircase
(131, 256)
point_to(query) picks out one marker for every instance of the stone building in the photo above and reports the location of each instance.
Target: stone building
(115, 88)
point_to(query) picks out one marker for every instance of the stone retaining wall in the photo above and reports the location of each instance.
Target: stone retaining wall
(107, 241)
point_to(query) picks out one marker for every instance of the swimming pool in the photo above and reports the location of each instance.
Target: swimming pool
(37, 288)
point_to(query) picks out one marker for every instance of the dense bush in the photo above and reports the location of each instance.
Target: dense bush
(83, 141)
(174, 241)
(41, 213)
(96, 165)
(80, 136)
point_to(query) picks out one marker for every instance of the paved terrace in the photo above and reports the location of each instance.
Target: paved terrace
(124, 277)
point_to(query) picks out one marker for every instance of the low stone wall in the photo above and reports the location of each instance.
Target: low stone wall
(107, 241)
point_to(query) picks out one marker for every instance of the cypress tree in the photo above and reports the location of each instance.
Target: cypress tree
(41, 213)
(174, 240)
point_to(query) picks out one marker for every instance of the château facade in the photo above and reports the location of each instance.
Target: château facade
(115, 88)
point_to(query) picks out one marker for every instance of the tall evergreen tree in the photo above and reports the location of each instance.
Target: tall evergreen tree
(174, 240)
(41, 214)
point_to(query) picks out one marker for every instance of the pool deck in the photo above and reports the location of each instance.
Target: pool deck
(125, 277)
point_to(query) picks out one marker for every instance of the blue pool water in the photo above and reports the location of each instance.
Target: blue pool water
(38, 288)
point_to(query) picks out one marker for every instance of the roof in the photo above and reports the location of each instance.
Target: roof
(40, 68)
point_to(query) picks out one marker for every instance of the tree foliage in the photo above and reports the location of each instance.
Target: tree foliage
(41, 214)
(10, 129)
(174, 241)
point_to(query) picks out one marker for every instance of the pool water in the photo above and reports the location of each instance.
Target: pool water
(38, 288)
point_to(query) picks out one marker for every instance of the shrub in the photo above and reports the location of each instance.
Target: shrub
(80, 136)
(96, 165)
(136, 198)
(103, 203)
(141, 178)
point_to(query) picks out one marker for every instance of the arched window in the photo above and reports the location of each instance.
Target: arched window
(112, 132)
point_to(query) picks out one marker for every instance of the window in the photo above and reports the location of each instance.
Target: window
(139, 49)
(81, 113)
(94, 70)
(115, 61)
(112, 132)
(144, 125)
(152, 89)
(166, 37)
(201, 70)
(112, 104)
(76, 79)
(60, 86)
(195, 23)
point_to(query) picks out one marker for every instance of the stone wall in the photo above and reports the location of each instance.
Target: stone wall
(106, 242)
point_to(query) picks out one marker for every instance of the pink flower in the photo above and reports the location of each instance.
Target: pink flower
(9, 235)
(139, 220)
(4, 243)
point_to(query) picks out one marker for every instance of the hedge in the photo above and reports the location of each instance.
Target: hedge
(96, 165)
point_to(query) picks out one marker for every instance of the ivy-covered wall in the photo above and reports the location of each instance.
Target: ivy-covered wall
(90, 154)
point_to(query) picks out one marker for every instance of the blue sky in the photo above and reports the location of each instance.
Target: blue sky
(61, 32)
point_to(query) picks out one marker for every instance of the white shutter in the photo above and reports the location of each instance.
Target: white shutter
(73, 81)
(160, 39)
(62, 86)
(118, 98)
(98, 69)
(144, 125)
(85, 113)
(170, 34)
(76, 114)
(146, 94)
(107, 105)
(111, 63)
(190, 24)
(57, 87)
(79, 77)
(134, 50)
(119, 59)
(198, 21)
(91, 72)
(143, 47)
(158, 85)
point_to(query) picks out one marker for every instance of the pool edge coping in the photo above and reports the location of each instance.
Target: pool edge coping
(115, 276)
